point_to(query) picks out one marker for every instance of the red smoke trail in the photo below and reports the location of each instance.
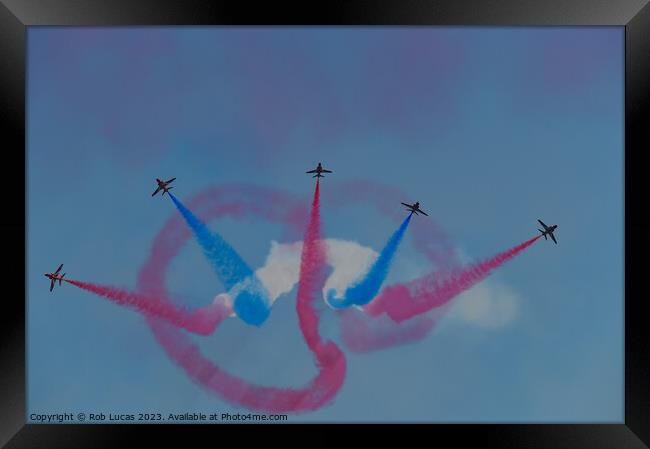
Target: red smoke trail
(202, 321)
(273, 206)
(403, 301)
(362, 333)
(311, 281)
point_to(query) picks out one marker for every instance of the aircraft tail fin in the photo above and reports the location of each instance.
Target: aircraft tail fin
(543, 233)
(61, 278)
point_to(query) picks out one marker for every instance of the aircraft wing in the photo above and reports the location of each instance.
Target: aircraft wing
(311, 171)
(58, 269)
(326, 171)
(407, 205)
(553, 237)
(542, 223)
(51, 284)
(157, 190)
(167, 182)
(422, 212)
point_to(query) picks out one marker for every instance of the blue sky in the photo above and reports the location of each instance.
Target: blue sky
(489, 128)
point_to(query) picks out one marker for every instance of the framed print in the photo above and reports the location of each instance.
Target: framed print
(405, 213)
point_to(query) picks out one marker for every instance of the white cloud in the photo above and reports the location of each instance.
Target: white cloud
(349, 261)
(281, 269)
(489, 304)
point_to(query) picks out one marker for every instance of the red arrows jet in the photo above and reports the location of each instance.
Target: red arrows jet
(53, 277)
(162, 185)
(319, 170)
(415, 208)
(548, 230)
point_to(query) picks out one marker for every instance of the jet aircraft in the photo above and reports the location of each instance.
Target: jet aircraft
(162, 185)
(319, 171)
(548, 230)
(53, 277)
(415, 208)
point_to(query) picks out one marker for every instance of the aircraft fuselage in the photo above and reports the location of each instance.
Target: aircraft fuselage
(162, 185)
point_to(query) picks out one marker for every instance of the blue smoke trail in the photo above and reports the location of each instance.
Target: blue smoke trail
(251, 302)
(367, 288)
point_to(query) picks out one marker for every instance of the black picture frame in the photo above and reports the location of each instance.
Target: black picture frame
(634, 15)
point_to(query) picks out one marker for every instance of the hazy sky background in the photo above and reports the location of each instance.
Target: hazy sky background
(489, 128)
